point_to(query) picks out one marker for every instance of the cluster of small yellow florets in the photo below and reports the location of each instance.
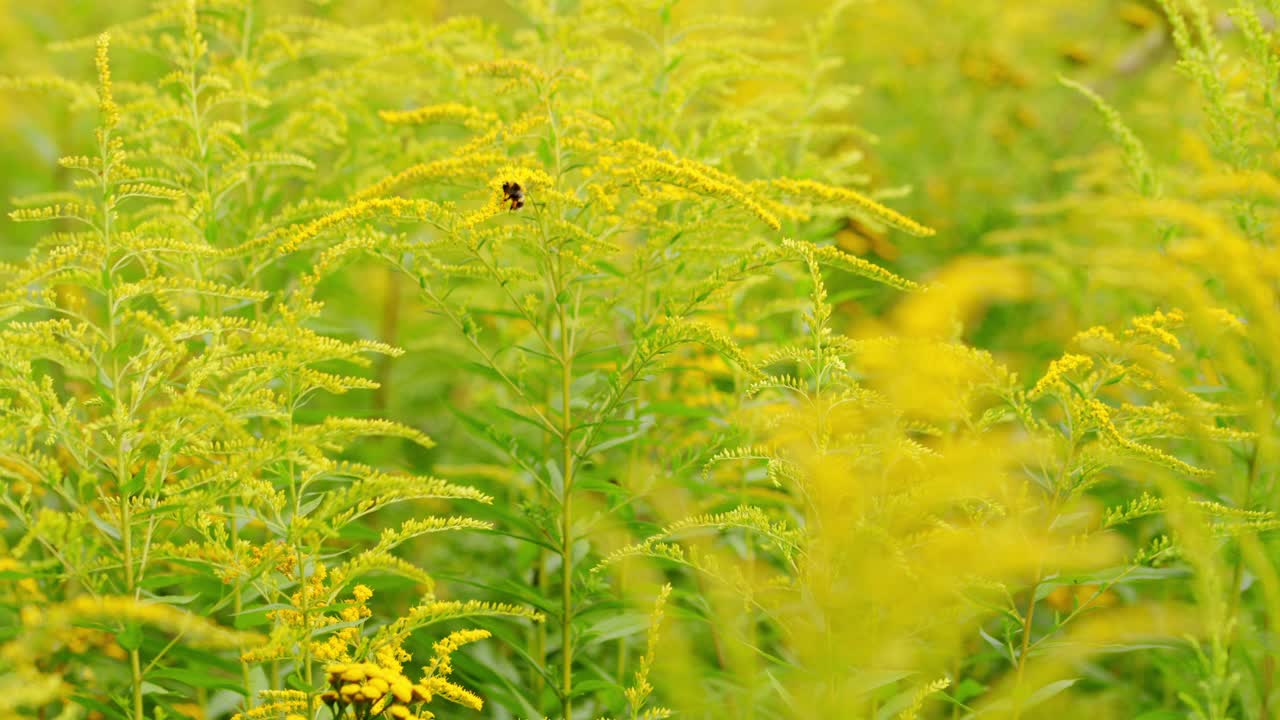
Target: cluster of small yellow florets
(372, 691)
(337, 646)
(380, 689)
(442, 664)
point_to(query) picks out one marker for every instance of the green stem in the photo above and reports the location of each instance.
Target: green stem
(566, 523)
(122, 422)
(126, 532)
(540, 629)
(303, 580)
(1064, 473)
(1026, 643)
(238, 592)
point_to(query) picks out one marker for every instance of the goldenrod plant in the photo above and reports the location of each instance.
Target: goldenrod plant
(592, 359)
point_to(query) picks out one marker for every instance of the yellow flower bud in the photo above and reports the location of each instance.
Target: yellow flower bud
(402, 689)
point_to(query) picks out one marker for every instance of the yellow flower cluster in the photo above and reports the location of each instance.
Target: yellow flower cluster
(43, 630)
(474, 165)
(639, 691)
(51, 212)
(652, 164)
(81, 162)
(293, 622)
(278, 702)
(1156, 326)
(451, 111)
(27, 585)
(1099, 414)
(150, 190)
(687, 175)
(509, 68)
(338, 645)
(441, 664)
(376, 691)
(842, 196)
(452, 692)
(837, 258)
(1054, 377)
(294, 236)
(106, 103)
(1225, 319)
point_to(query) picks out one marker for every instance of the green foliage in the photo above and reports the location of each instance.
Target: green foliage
(338, 339)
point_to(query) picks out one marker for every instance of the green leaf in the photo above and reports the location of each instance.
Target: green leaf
(590, 686)
(678, 409)
(255, 617)
(612, 628)
(1049, 691)
(524, 419)
(967, 690)
(107, 528)
(134, 484)
(869, 679)
(131, 637)
(89, 703)
(150, 688)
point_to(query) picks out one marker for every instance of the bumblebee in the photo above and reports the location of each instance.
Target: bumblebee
(514, 194)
